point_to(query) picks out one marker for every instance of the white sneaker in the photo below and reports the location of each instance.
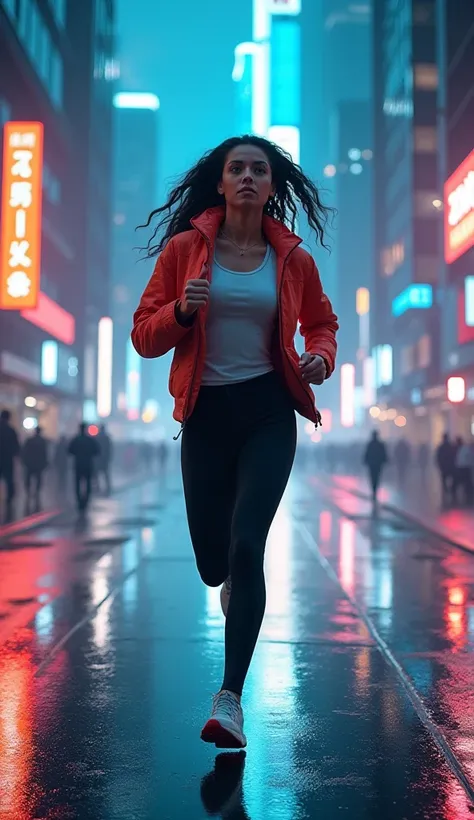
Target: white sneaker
(226, 589)
(225, 727)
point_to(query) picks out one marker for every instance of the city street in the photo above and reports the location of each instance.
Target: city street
(359, 701)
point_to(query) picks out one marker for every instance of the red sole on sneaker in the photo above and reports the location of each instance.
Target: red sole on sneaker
(213, 732)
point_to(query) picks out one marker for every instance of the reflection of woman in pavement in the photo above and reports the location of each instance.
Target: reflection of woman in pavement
(229, 287)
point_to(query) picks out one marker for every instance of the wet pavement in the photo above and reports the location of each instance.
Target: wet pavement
(359, 701)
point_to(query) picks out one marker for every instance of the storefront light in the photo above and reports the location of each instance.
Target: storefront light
(30, 401)
(104, 367)
(469, 300)
(347, 395)
(49, 363)
(374, 412)
(456, 389)
(400, 421)
(30, 423)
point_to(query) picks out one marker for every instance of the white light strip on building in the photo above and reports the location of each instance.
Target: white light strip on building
(261, 68)
(136, 99)
(104, 367)
(288, 138)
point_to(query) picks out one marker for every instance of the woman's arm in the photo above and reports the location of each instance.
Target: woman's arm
(156, 328)
(317, 319)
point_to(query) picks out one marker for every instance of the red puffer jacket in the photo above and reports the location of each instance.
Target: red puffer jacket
(300, 298)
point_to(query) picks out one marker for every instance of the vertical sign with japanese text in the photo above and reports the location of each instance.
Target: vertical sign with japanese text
(20, 232)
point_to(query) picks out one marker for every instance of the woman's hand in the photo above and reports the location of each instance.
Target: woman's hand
(312, 368)
(196, 295)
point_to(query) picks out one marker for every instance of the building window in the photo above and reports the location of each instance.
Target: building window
(56, 86)
(58, 7)
(426, 140)
(10, 8)
(426, 76)
(43, 53)
(392, 258)
(424, 351)
(426, 204)
(5, 112)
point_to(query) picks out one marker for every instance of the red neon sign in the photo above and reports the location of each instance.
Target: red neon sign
(20, 236)
(53, 319)
(459, 211)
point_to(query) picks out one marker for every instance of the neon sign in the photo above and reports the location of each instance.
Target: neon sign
(20, 237)
(459, 211)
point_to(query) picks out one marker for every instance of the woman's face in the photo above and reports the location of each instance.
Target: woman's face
(246, 177)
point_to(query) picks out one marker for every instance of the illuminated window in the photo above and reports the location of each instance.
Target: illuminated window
(10, 8)
(424, 351)
(426, 141)
(58, 8)
(426, 76)
(56, 87)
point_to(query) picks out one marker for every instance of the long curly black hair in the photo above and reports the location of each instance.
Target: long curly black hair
(197, 191)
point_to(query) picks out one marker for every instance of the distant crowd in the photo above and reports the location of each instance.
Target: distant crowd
(90, 456)
(452, 458)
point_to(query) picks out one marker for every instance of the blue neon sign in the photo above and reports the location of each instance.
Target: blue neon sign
(415, 297)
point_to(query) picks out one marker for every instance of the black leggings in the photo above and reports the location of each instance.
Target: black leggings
(237, 453)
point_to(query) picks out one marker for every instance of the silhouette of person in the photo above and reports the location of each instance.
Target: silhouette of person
(84, 449)
(375, 458)
(35, 461)
(9, 451)
(446, 459)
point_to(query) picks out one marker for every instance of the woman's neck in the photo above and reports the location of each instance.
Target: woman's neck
(244, 227)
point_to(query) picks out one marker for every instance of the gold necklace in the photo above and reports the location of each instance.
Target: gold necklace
(242, 251)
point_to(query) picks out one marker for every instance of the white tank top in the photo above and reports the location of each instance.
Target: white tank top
(240, 323)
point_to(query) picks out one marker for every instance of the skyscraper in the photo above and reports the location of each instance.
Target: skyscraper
(406, 207)
(137, 383)
(456, 107)
(56, 77)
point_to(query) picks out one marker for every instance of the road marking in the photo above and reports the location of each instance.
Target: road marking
(418, 704)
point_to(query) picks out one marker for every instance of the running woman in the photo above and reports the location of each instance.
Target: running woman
(230, 285)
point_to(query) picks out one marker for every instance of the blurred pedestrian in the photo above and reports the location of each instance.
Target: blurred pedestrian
(9, 451)
(35, 461)
(104, 459)
(445, 459)
(236, 382)
(375, 459)
(84, 450)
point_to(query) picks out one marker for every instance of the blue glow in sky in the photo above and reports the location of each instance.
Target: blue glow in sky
(183, 51)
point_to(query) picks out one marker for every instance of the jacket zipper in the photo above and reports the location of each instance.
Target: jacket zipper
(280, 328)
(196, 360)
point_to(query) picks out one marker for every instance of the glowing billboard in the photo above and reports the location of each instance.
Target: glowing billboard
(459, 211)
(20, 232)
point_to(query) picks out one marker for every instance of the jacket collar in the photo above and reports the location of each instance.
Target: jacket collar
(278, 235)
